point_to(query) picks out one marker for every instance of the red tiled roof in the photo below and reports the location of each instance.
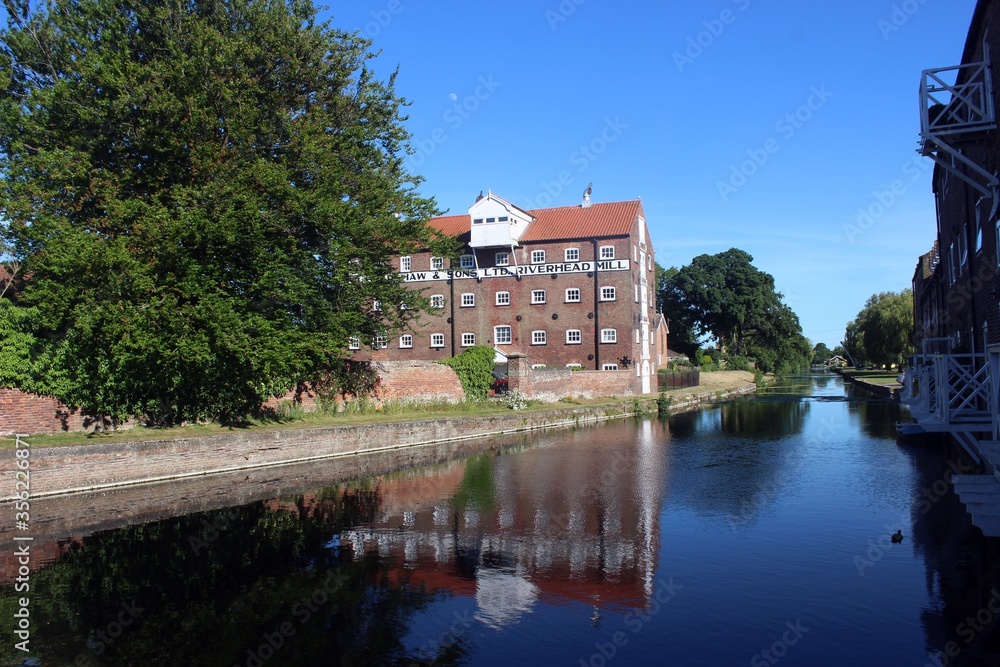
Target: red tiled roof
(560, 223)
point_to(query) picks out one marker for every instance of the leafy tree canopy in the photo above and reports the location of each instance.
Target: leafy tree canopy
(206, 196)
(725, 297)
(882, 333)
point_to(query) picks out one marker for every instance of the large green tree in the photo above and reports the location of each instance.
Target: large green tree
(206, 197)
(727, 298)
(884, 328)
(682, 337)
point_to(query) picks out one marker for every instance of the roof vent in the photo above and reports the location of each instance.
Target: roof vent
(586, 196)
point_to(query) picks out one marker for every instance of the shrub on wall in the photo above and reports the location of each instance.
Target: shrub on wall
(475, 370)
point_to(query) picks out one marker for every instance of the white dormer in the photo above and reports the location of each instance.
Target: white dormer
(496, 223)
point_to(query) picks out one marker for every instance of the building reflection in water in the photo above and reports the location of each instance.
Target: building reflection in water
(511, 530)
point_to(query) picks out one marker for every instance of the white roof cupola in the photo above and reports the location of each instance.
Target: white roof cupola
(496, 223)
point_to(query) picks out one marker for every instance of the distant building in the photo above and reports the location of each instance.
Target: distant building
(572, 286)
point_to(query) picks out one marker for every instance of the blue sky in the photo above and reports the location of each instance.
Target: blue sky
(664, 100)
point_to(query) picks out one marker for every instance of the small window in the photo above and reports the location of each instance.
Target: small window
(538, 338)
(376, 305)
(437, 263)
(380, 343)
(503, 218)
(609, 335)
(406, 341)
(607, 252)
(501, 335)
(635, 256)
(636, 289)
(573, 337)
(437, 301)
(468, 262)
(607, 294)
(503, 259)
(572, 295)
(468, 300)
(468, 339)
(535, 367)
(503, 298)
(490, 220)
(477, 221)
(609, 367)
(354, 343)
(572, 254)
(537, 256)
(437, 340)
(538, 296)
(573, 366)
(404, 264)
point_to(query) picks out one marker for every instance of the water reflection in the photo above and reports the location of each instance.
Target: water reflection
(764, 513)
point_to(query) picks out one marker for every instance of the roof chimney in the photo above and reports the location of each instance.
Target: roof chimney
(586, 196)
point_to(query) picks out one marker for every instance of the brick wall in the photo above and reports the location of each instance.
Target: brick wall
(551, 384)
(21, 412)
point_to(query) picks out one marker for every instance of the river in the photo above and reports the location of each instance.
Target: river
(753, 533)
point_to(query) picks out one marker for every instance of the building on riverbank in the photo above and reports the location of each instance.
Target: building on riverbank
(567, 287)
(951, 383)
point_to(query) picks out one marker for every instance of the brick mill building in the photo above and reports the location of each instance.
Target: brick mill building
(566, 287)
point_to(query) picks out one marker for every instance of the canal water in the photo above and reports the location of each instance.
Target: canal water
(753, 533)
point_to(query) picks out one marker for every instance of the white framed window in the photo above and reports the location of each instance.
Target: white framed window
(437, 301)
(636, 293)
(572, 254)
(573, 295)
(609, 367)
(406, 341)
(535, 367)
(477, 221)
(574, 337)
(468, 339)
(635, 257)
(376, 305)
(437, 263)
(608, 294)
(607, 252)
(503, 259)
(538, 338)
(354, 343)
(502, 334)
(467, 262)
(437, 340)
(537, 296)
(468, 300)
(574, 366)
(405, 264)
(609, 335)
(537, 256)
(380, 343)
(503, 298)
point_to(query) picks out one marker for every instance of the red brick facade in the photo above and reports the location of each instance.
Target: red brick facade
(21, 412)
(956, 285)
(541, 297)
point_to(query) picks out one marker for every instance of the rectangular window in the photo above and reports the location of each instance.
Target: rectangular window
(607, 252)
(503, 298)
(437, 340)
(503, 218)
(537, 296)
(406, 341)
(609, 335)
(468, 300)
(574, 366)
(468, 339)
(376, 305)
(609, 367)
(467, 262)
(537, 256)
(405, 264)
(503, 259)
(477, 221)
(572, 295)
(380, 343)
(573, 337)
(501, 335)
(607, 294)
(437, 263)
(538, 338)
(572, 254)
(354, 343)
(437, 301)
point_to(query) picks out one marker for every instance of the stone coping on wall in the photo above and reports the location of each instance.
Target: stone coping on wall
(105, 466)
